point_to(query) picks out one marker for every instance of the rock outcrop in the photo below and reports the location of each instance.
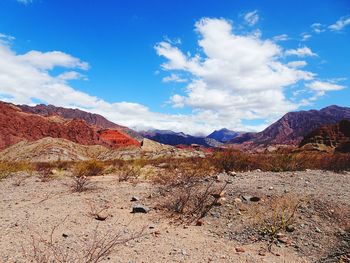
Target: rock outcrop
(294, 126)
(329, 138)
(90, 118)
(16, 126)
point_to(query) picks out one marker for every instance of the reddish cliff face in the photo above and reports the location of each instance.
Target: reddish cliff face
(116, 139)
(16, 125)
(90, 118)
(336, 136)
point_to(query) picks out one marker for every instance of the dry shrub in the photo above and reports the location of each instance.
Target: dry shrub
(93, 250)
(188, 193)
(8, 168)
(275, 215)
(129, 173)
(88, 168)
(44, 170)
(80, 183)
(232, 160)
(98, 210)
(337, 162)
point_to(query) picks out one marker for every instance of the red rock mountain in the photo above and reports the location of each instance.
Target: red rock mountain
(335, 136)
(17, 125)
(292, 127)
(91, 118)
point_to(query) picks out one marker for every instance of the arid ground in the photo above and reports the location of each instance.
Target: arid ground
(44, 220)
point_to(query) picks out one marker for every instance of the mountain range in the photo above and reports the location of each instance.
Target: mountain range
(293, 126)
(17, 125)
(314, 127)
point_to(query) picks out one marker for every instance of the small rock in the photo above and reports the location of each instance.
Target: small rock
(134, 199)
(220, 201)
(271, 188)
(64, 235)
(318, 230)
(254, 199)
(262, 253)
(199, 222)
(238, 200)
(140, 209)
(240, 249)
(283, 240)
(101, 217)
(218, 195)
(290, 228)
(280, 235)
(246, 197)
(233, 174)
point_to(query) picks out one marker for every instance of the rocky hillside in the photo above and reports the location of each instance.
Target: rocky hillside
(91, 118)
(179, 138)
(331, 137)
(223, 135)
(293, 126)
(17, 125)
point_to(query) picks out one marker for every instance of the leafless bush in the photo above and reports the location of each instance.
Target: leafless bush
(190, 198)
(97, 248)
(98, 210)
(80, 183)
(129, 172)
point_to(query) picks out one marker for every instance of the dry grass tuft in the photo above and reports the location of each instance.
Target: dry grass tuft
(88, 168)
(93, 250)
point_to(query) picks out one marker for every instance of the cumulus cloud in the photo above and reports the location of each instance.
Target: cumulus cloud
(233, 78)
(340, 24)
(237, 77)
(49, 60)
(318, 28)
(25, 2)
(324, 86)
(282, 37)
(251, 18)
(28, 78)
(300, 52)
(173, 78)
(305, 36)
(297, 64)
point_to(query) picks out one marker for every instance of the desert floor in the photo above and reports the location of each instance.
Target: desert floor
(31, 208)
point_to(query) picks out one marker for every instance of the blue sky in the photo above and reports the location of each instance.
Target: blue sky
(190, 66)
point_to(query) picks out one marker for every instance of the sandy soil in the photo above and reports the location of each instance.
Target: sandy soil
(32, 207)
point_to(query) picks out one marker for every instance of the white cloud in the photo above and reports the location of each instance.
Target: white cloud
(297, 64)
(340, 24)
(25, 2)
(300, 52)
(237, 77)
(324, 86)
(173, 78)
(27, 78)
(305, 36)
(318, 28)
(282, 37)
(49, 60)
(251, 18)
